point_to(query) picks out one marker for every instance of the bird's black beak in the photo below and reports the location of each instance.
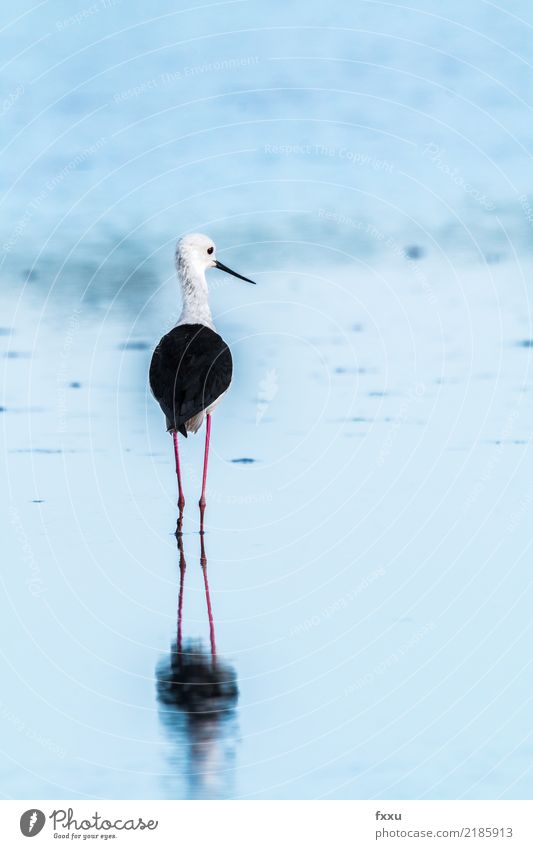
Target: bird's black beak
(229, 271)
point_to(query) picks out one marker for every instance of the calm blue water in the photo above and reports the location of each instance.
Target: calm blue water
(368, 541)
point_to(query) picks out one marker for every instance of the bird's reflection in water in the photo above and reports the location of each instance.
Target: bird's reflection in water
(198, 693)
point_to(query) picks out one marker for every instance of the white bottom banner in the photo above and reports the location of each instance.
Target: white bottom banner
(269, 823)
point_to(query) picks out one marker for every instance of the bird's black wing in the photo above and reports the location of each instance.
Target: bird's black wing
(191, 367)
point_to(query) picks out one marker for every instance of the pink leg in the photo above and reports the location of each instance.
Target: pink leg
(183, 567)
(203, 561)
(204, 479)
(181, 499)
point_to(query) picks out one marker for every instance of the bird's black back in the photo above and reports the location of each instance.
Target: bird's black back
(191, 367)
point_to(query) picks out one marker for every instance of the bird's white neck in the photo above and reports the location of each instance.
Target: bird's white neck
(195, 296)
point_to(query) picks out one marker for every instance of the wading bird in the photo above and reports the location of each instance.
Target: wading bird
(191, 367)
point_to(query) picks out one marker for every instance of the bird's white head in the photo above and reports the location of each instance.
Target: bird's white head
(196, 253)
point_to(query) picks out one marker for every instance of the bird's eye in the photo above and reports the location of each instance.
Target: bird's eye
(210, 250)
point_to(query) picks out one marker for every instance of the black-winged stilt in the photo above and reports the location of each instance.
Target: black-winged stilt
(191, 367)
